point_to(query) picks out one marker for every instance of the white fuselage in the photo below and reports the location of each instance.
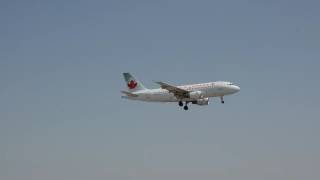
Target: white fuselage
(211, 89)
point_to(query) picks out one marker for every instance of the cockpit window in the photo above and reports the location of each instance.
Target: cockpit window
(230, 83)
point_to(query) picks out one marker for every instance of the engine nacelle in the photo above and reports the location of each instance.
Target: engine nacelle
(196, 95)
(202, 102)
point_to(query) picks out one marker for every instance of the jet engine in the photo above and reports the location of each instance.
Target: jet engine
(196, 95)
(202, 102)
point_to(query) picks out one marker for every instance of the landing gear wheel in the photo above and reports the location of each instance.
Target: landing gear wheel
(186, 108)
(180, 103)
(222, 101)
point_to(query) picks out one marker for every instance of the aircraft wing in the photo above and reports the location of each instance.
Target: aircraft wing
(178, 92)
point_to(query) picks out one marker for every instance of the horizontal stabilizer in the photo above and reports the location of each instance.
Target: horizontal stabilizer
(129, 94)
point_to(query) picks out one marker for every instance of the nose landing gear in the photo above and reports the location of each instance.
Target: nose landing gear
(222, 101)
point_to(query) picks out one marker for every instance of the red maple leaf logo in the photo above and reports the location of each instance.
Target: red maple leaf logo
(132, 84)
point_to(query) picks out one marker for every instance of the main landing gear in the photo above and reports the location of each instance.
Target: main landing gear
(180, 103)
(222, 101)
(185, 107)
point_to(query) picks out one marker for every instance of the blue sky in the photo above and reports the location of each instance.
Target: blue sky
(61, 115)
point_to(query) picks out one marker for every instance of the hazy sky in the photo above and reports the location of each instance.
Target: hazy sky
(61, 115)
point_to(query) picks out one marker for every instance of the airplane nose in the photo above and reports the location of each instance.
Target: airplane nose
(237, 88)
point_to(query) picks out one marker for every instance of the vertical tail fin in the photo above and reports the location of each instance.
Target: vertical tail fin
(132, 83)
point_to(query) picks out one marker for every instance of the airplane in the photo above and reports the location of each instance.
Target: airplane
(198, 94)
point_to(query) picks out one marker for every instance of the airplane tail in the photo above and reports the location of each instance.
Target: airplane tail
(132, 83)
